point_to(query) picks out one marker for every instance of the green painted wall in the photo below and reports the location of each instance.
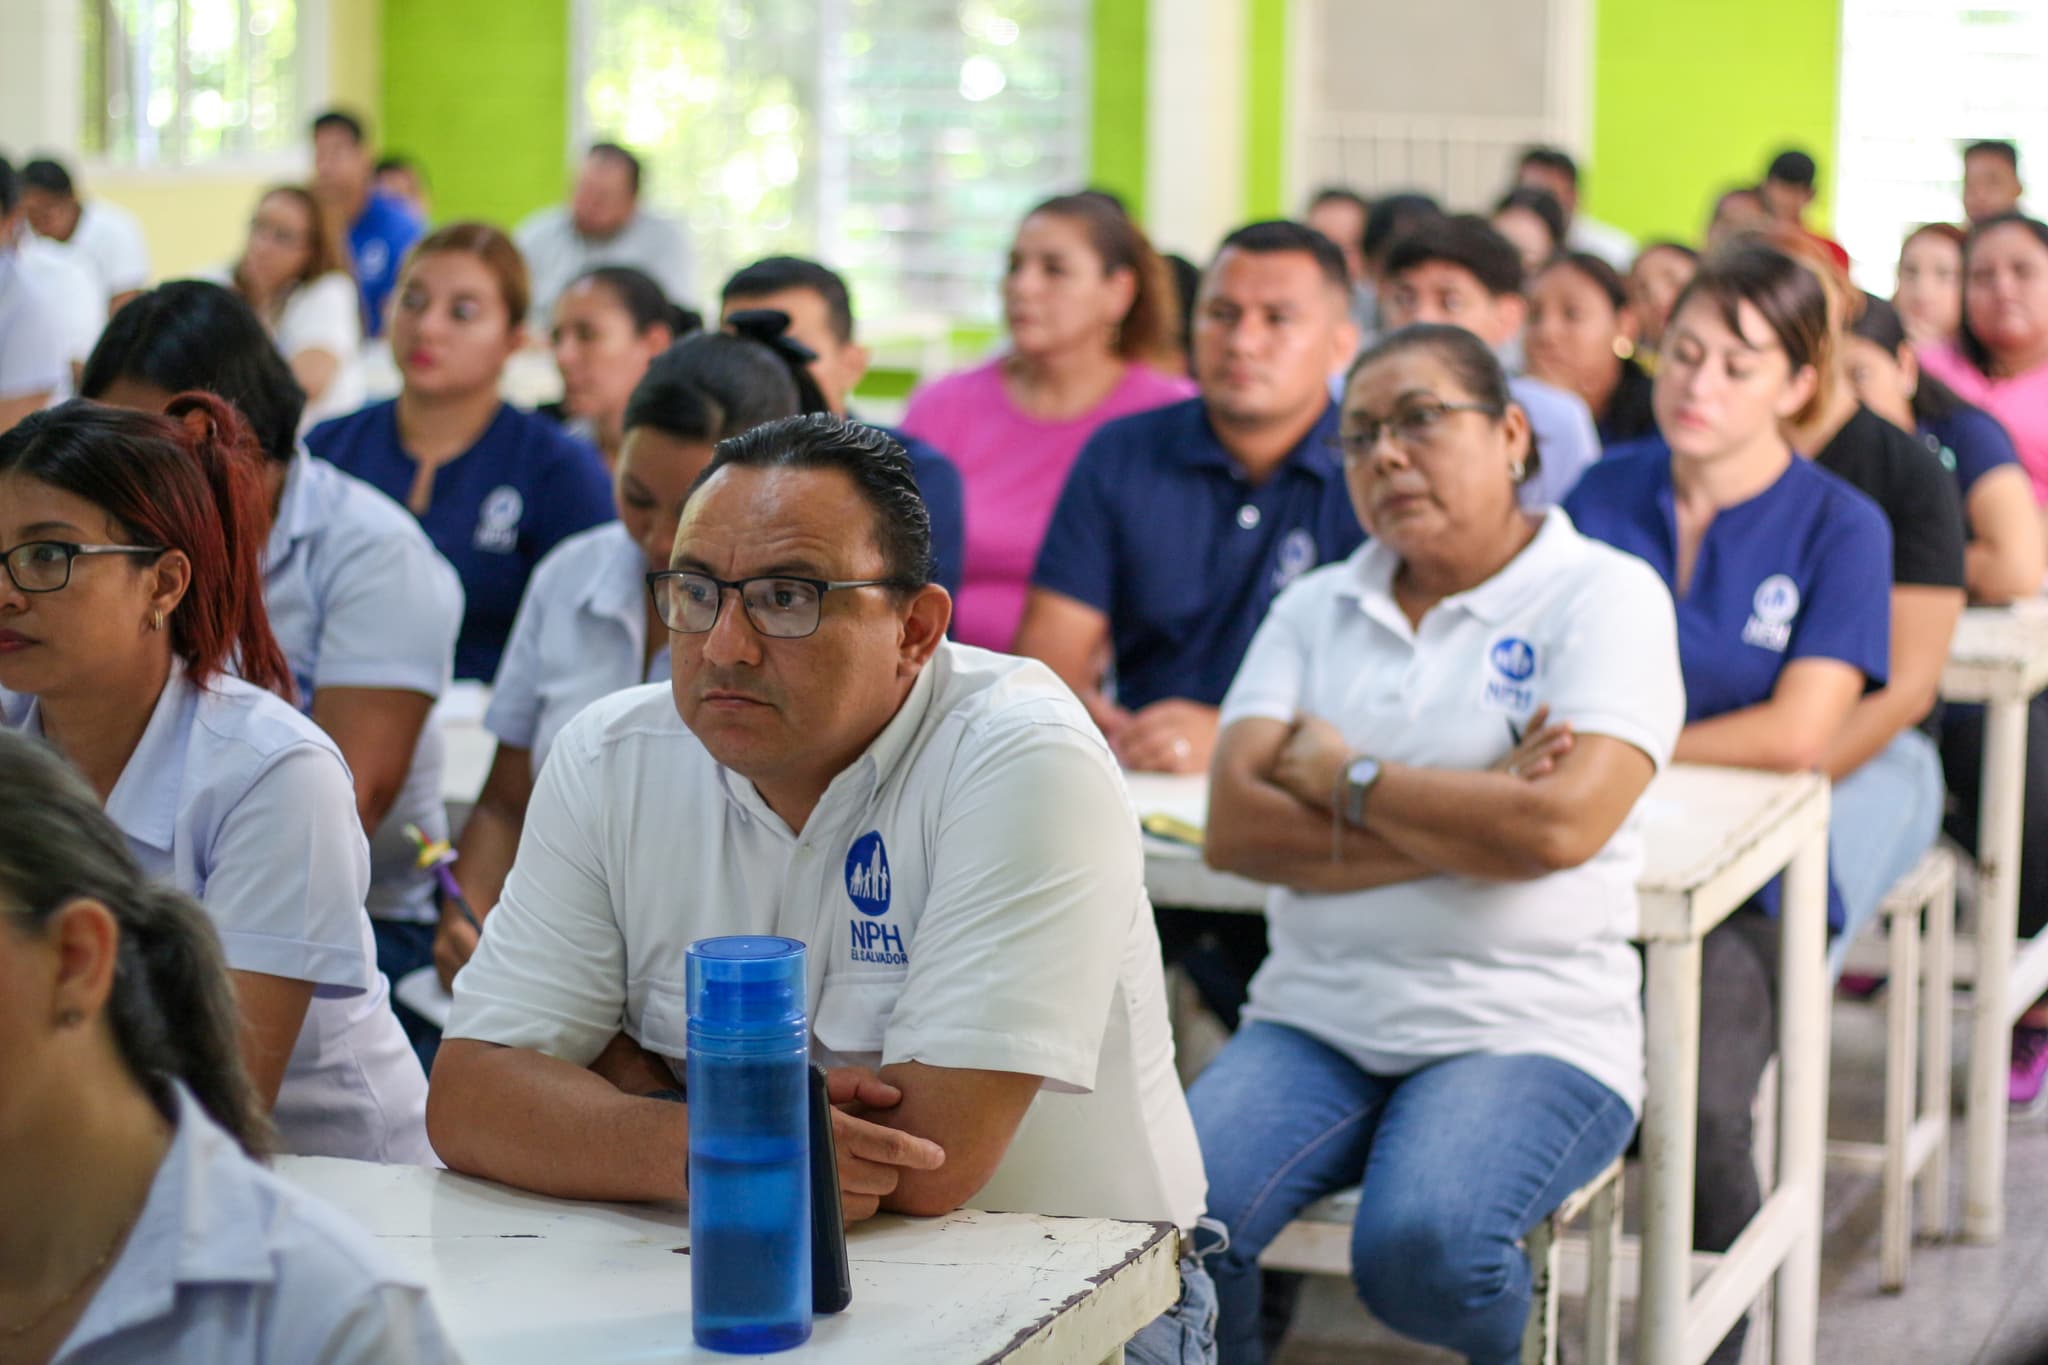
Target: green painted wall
(1116, 128)
(478, 91)
(1689, 99)
(1265, 100)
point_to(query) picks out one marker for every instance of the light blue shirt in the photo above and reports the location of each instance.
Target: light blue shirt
(1566, 440)
(243, 804)
(31, 343)
(229, 1265)
(359, 597)
(580, 634)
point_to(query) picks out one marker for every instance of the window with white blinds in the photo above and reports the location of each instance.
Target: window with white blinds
(1920, 80)
(896, 140)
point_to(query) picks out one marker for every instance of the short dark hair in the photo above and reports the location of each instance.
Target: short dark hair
(189, 334)
(1793, 167)
(1541, 202)
(712, 387)
(1471, 362)
(399, 161)
(10, 187)
(774, 274)
(877, 465)
(1467, 241)
(1276, 235)
(1391, 217)
(1550, 159)
(50, 177)
(1340, 194)
(342, 119)
(625, 158)
(1994, 146)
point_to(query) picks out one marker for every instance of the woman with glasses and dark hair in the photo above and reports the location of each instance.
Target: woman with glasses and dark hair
(363, 606)
(1779, 570)
(132, 574)
(587, 627)
(140, 1224)
(1433, 752)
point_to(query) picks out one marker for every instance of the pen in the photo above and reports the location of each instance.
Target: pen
(435, 854)
(1514, 732)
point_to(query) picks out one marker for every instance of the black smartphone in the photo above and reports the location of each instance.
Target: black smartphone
(831, 1281)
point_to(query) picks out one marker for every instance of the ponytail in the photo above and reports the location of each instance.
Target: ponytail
(170, 1007)
(637, 292)
(188, 481)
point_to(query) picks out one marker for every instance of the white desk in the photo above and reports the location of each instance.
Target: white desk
(519, 1277)
(1999, 658)
(1713, 836)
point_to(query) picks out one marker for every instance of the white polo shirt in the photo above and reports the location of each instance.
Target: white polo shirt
(244, 805)
(581, 634)
(110, 238)
(229, 1265)
(1401, 976)
(971, 888)
(359, 597)
(325, 314)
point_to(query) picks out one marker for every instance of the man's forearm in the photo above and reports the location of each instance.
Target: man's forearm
(546, 1125)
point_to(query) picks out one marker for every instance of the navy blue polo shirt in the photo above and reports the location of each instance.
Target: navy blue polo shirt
(945, 498)
(1159, 529)
(377, 242)
(1970, 442)
(497, 508)
(1803, 570)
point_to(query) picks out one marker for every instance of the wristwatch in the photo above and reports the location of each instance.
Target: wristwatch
(1359, 775)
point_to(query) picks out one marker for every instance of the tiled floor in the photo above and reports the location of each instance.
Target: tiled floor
(1963, 1305)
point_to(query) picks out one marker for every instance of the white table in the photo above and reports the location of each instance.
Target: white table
(1999, 658)
(520, 1277)
(1713, 836)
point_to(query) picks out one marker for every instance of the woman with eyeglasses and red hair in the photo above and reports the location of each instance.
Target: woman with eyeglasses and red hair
(130, 582)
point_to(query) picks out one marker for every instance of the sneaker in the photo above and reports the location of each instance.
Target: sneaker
(2029, 1065)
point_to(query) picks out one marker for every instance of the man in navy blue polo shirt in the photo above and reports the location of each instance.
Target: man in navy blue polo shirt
(381, 229)
(1178, 527)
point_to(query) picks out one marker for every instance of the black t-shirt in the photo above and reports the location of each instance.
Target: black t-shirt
(1918, 496)
(1919, 499)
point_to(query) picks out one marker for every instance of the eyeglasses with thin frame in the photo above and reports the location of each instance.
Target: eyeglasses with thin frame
(45, 565)
(779, 605)
(1414, 424)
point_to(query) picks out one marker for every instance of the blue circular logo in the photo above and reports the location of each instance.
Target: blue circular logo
(1513, 658)
(867, 874)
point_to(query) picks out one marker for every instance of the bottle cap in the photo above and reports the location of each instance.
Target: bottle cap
(746, 980)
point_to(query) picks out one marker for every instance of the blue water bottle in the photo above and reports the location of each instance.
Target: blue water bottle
(750, 1173)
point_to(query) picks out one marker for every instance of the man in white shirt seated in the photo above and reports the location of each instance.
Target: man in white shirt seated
(104, 235)
(941, 825)
(602, 224)
(76, 305)
(1552, 168)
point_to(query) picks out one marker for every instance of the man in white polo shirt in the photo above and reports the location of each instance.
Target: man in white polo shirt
(943, 827)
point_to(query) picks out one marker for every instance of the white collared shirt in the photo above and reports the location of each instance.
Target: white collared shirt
(246, 806)
(557, 253)
(229, 1265)
(1404, 975)
(971, 888)
(581, 634)
(110, 239)
(325, 314)
(359, 597)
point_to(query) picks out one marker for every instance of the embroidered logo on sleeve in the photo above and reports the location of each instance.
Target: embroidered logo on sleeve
(497, 521)
(867, 886)
(1510, 664)
(1770, 614)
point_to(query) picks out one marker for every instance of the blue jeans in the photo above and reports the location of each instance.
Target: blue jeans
(1458, 1161)
(404, 947)
(1886, 814)
(1184, 1334)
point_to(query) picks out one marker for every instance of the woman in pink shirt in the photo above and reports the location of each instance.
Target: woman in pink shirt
(1090, 310)
(2000, 358)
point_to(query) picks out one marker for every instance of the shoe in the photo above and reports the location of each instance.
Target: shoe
(2029, 1065)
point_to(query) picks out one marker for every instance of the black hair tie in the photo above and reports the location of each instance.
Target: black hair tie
(770, 327)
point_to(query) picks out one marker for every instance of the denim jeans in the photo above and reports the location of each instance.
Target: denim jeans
(1886, 814)
(1458, 1161)
(1184, 1334)
(404, 947)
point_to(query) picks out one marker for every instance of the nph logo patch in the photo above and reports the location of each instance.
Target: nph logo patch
(867, 874)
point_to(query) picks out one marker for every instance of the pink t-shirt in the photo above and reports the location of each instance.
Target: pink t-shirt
(2019, 403)
(1012, 467)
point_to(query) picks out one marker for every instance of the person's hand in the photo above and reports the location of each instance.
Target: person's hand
(872, 1157)
(1171, 736)
(1309, 762)
(632, 1068)
(1109, 718)
(454, 940)
(1540, 748)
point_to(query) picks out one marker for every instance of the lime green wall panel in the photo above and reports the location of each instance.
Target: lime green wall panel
(478, 91)
(1689, 99)
(1116, 130)
(1265, 97)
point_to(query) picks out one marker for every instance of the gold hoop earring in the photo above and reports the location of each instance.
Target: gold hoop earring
(156, 620)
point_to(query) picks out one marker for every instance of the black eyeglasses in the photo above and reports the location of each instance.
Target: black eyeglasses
(1413, 424)
(780, 606)
(45, 565)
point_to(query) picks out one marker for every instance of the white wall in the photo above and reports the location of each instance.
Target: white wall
(1195, 123)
